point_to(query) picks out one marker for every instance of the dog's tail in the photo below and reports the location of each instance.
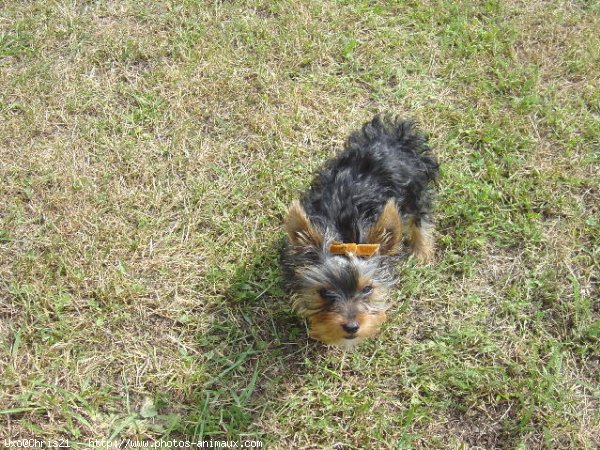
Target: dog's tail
(399, 134)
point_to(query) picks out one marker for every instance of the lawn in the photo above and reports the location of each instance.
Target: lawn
(148, 150)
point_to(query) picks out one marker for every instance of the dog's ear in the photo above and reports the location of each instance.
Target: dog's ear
(387, 231)
(299, 229)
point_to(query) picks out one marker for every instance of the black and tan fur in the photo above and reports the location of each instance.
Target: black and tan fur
(376, 191)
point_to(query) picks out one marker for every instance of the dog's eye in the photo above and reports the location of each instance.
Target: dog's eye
(367, 290)
(327, 295)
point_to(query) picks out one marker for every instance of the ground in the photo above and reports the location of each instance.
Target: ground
(149, 150)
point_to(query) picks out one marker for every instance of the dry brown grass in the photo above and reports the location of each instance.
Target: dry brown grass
(148, 149)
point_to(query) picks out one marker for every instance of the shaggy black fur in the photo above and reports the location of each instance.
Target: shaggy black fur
(387, 159)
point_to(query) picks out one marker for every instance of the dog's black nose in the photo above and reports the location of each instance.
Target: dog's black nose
(351, 327)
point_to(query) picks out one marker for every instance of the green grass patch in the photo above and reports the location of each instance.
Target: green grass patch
(149, 150)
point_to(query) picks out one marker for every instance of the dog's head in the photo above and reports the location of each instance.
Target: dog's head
(343, 296)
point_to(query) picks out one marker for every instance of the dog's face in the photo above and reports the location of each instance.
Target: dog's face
(344, 297)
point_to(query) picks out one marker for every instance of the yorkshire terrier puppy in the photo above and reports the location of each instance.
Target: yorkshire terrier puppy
(344, 235)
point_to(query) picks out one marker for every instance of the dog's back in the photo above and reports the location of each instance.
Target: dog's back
(387, 158)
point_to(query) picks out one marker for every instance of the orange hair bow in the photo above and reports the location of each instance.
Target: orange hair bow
(341, 248)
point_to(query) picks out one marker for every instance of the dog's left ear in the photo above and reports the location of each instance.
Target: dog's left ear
(299, 229)
(387, 231)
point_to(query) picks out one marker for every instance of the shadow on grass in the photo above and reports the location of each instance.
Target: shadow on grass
(252, 352)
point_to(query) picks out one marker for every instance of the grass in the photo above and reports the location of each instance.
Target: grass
(148, 151)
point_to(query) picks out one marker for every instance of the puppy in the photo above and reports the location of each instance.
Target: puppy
(345, 234)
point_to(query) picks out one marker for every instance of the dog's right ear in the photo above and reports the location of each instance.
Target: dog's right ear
(299, 229)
